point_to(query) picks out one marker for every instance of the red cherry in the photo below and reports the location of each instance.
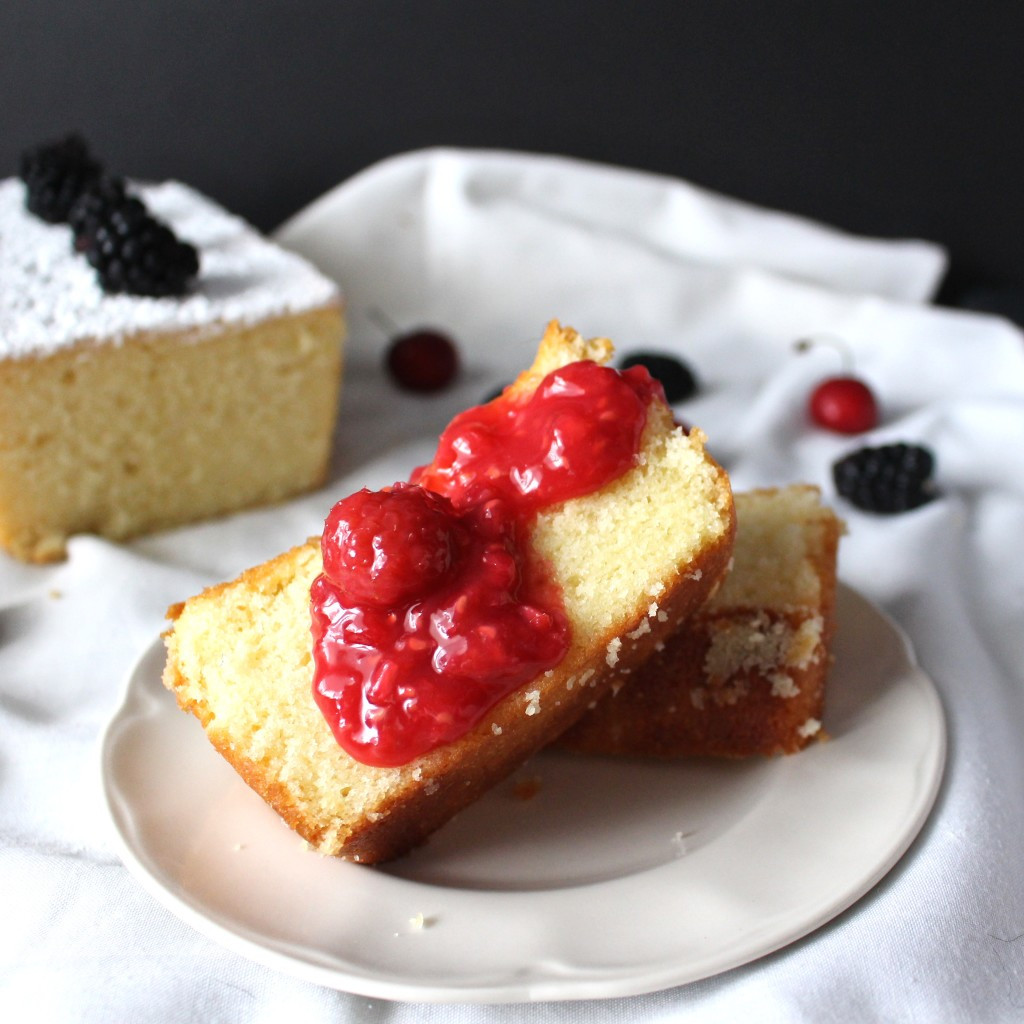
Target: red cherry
(844, 404)
(423, 360)
(382, 548)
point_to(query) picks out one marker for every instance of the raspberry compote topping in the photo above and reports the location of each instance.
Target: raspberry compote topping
(576, 433)
(432, 607)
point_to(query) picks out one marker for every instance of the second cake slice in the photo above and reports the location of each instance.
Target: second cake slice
(746, 673)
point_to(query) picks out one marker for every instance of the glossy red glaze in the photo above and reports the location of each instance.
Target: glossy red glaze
(577, 432)
(431, 607)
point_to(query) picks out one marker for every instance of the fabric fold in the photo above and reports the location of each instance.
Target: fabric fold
(489, 246)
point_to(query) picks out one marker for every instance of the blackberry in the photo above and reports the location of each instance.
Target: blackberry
(55, 173)
(890, 478)
(131, 250)
(94, 205)
(675, 376)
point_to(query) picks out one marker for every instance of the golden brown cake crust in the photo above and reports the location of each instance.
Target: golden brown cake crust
(257, 628)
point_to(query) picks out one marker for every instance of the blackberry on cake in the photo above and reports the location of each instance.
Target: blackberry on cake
(94, 205)
(135, 253)
(131, 250)
(55, 174)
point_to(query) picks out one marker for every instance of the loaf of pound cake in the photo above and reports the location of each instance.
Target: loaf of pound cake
(122, 414)
(607, 574)
(745, 675)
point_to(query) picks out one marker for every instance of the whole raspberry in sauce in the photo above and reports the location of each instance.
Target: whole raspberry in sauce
(432, 607)
(381, 547)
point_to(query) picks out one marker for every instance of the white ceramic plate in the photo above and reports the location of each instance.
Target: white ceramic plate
(617, 877)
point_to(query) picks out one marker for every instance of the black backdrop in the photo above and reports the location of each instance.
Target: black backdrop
(881, 118)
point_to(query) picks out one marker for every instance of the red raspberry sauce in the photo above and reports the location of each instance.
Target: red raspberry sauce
(431, 607)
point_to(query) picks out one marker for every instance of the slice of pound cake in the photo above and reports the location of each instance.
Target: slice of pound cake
(463, 620)
(746, 673)
(124, 413)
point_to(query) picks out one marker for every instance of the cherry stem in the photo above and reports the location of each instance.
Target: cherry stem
(831, 341)
(382, 321)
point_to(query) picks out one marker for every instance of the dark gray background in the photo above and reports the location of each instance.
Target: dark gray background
(882, 118)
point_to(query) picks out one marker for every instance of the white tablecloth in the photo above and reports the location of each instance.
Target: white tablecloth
(491, 246)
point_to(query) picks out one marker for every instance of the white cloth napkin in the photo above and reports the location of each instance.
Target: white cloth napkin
(490, 246)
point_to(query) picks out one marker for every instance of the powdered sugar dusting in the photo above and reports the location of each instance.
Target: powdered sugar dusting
(49, 298)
